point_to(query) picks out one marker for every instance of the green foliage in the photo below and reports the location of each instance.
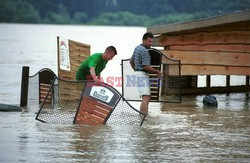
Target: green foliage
(80, 17)
(26, 13)
(115, 12)
(173, 18)
(60, 17)
(8, 8)
(121, 18)
(18, 12)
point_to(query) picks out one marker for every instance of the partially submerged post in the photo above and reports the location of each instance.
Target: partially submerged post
(24, 86)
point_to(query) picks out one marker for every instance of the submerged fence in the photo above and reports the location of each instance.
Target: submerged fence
(80, 102)
(86, 102)
(37, 87)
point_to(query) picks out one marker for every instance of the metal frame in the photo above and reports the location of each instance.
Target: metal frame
(161, 58)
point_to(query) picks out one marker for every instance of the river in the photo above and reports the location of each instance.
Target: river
(185, 132)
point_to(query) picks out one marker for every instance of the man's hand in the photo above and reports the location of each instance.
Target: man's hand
(153, 70)
(159, 74)
(98, 80)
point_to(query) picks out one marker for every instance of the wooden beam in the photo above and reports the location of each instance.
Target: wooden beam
(203, 38)
(212, 90)
(213, 70)
(241, 48)
(81, 45)
(210, 58)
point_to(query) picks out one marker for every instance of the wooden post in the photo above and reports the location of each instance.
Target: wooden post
(189, 81)
(228, 81)
(208, 81)
(24, 86)
(167, 82)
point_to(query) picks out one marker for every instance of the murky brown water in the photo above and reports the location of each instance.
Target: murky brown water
(171, 132)
(185, 132)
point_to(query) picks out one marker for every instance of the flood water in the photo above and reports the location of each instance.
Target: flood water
(185, 132)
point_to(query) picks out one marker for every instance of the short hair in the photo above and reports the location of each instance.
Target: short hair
(146, 35)
(111, 48)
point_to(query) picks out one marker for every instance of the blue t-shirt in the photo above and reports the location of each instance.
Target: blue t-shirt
(141, 57)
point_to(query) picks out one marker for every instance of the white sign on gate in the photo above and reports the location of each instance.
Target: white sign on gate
(64, 54)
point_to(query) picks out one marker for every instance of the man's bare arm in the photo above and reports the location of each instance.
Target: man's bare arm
(132, 64)
(152, 70)
(92, 73)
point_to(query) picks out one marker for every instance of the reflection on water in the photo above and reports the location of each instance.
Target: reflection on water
(185, 132)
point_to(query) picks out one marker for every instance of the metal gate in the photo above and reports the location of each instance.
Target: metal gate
(165, 89)
(86, 102)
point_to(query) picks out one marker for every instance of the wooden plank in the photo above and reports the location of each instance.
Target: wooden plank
(203, 38)
(69, 92)
(244, 48)
(209, 58)
(211, 90)
(214, 70)
(72, 42)
(77, 52)
(87, 99)
(48, 100)
(236, 26)
(45, 85)
(104, 110)
(42, 89)
(78, 46)
(91, 116)
(75, 58)
(67, 74)
(88, 116)
(76, 65)
(87, 107)
(78, 49)
(99, 114)
(43, 97)
(85, 120)
(45, 93)
(93, 110)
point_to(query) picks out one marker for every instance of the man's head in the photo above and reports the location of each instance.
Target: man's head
(147, 39)
(109, 53)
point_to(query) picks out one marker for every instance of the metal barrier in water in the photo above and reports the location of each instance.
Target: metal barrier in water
(165, 89)
(85, 102)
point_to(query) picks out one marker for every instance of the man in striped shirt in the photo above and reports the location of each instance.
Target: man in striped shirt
(141, 63)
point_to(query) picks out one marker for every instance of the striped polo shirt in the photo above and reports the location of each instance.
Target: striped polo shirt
(141, 57)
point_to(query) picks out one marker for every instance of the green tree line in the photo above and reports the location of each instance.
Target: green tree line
(115, 12)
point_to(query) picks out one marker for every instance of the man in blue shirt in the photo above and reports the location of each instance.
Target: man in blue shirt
(141, 63)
